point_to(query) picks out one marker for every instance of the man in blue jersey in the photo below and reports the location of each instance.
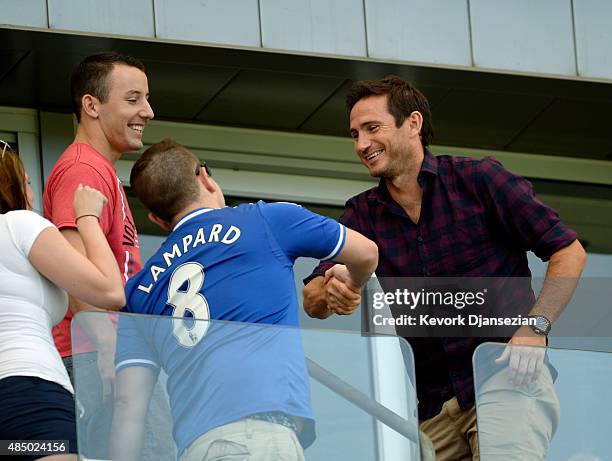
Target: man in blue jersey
(224, 264)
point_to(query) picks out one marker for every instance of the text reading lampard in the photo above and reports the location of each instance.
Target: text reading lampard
(190, 241)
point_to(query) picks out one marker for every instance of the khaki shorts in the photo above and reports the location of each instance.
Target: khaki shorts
(246, 439)
(517, 424)
(513, 424)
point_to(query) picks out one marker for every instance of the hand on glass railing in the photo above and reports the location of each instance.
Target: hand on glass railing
(525, 363)
(342, 294)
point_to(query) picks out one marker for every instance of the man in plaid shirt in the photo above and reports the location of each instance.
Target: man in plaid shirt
(446, 216)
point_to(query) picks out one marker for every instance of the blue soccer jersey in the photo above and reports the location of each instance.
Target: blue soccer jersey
(227, 264)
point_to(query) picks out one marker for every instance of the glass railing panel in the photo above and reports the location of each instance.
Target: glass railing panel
(542, 403)
(348, 396)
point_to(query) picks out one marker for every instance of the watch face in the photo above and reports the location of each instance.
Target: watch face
(542, 325)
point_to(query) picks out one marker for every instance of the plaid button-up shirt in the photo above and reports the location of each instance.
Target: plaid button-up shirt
(477, 220)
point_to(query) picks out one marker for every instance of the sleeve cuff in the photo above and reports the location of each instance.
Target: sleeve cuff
(557, 238)
(136, 363)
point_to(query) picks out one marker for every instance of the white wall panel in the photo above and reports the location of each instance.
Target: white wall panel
(230, 22)
(523, 35)
(32, 13)
(131, 18)
(429, 31)
(320, 26)
(593, 23)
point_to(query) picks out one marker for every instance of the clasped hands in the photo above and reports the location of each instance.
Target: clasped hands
(342, 294)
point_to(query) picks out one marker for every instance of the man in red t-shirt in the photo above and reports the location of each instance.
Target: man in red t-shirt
(110, 99)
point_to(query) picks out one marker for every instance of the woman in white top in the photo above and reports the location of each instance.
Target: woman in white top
(36, 265)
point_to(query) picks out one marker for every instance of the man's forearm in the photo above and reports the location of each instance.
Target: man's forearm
(315, 303)
(127, 437)
(98, 328)
(133, 395)
(562, 275)
(127, 433)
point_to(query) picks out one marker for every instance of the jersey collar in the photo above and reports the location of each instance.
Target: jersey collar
(191, 214)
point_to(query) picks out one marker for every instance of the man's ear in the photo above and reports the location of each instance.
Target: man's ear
(89, 106)
(160, 222)
(207, 181)
(415, 122)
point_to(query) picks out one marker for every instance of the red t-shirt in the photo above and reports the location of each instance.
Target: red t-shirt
(82, 164)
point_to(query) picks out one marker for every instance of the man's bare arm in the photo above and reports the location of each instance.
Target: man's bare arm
(562, 275)
(98, 328)
(133, 395)
(339, 291)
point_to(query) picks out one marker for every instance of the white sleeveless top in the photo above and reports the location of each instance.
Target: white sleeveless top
(30, 305)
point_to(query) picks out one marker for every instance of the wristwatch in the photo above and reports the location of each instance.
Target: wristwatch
(541, 326)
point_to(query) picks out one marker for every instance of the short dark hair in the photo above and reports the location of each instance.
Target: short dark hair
(164, 179)
(402, 100)
(90, 76)
(13, 194)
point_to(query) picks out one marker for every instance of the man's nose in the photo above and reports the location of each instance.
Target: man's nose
(362, 144)
(147, 111)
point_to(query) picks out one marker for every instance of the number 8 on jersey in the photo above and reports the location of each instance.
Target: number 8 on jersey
(190, 300)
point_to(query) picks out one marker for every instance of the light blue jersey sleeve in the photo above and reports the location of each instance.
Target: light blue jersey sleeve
(300, 232)
(132, 348)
